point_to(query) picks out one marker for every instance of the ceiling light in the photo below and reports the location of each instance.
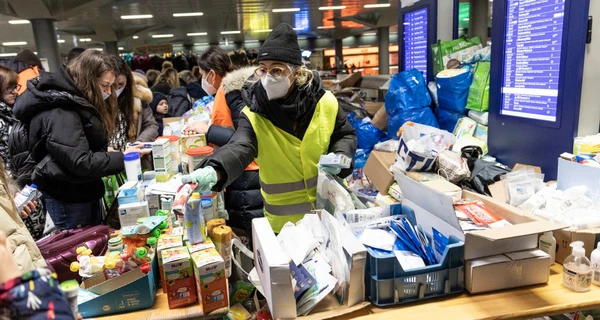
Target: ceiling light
(188, 14)
(85, 39)
(60, 40)
(377, 5)
(286, 10)
(136, 37)
(201, 44)
(14, 43)
(369, 34)
(121, 48)
(169, 35)
(35, 52)
(231, 32)
(18, 21)
(265, 30)
(325, 27)
(251, 41)
(98, 49)
(193, 34)
(8, 54)
(137, 16)
(332, 8)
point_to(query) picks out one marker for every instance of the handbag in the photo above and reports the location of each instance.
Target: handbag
(59, 249)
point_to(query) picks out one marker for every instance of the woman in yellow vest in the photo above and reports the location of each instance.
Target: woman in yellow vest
(289, 121)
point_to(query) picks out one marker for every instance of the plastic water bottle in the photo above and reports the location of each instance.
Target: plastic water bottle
(27, 194)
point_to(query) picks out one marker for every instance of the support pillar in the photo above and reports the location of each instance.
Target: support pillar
(478, 19)
(383, 40)
(112, 47)
(44, 35)
(339, 55)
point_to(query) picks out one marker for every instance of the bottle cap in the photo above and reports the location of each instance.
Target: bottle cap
(115, 241)
(33, 186)
(163, 225)
(156, 233)
(162, 213)
(110, 264)
(151, 241)
(145, 268)
(125, 256)
(578, 249)
(131, 156)
(141, 252)
(195, 196)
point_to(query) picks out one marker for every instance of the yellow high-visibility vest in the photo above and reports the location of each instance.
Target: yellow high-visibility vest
(289, 166)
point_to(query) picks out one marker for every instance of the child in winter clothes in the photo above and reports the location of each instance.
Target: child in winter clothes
(160, 108)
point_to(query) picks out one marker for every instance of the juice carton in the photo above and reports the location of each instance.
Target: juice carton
(200, 246)
(178, 273)
(166, 241)
(211, 282)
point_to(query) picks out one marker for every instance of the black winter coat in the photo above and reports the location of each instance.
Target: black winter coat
(66, 139)
(233, 158)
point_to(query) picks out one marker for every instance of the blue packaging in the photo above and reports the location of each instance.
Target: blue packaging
(193, 217)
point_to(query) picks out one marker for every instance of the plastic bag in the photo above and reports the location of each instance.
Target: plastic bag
(408, 100)
(453, 89)
(453, 167)
(448, 119)
(479, 92)
(420, 146)
(333, 196)
(447, 54)
(368, 135)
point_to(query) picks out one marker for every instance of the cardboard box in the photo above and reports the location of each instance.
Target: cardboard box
(521, 236)
(211, 281)
(161, 148)
(131, 212)
(179, 275)
(377, 169)
(509, 270)
(380, 119)
(166, 241)
(131, 291)
(572, 174)
(373, 107)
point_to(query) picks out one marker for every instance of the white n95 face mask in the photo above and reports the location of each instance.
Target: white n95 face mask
(105, 95)
(208, 88)
(275, 87)
(119, 91)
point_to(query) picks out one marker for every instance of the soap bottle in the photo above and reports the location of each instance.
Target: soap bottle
(547, 244)
(577, 270)
(596, 265)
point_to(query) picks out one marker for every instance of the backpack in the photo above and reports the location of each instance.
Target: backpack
(22, 162)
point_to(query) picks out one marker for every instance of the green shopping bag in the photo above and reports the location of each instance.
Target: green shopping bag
(461, 49)
(479, 92)
(111, 188)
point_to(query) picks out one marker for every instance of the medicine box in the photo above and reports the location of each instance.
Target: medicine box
(162, 163)
(131, 212)
(211, 282)
(161, 148)
(166, 241)
(335, 160)
(127, 196)
(179, 277)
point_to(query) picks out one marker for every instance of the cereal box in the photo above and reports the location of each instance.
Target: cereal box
(211, 283)
(178, 272)
(166, 241)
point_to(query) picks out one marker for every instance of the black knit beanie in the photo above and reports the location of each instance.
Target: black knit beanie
(156, 98)
(281, 45)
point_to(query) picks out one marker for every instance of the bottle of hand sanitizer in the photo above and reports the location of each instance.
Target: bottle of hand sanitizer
(548, 245)
(577, 270)
(596, 265)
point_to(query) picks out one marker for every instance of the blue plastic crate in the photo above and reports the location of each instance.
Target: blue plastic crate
(387, 283)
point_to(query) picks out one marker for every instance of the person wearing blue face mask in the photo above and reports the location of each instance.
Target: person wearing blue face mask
(289, 121)
(70, 115)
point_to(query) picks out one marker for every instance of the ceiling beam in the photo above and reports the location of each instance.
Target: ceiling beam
(30, 9)
(80, 8)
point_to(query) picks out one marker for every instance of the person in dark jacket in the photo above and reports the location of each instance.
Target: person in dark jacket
(167, 80)
(289, 123)
(70, 115)
(194, 89)
(160, 108)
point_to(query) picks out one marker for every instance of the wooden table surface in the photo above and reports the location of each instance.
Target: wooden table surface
(523, 303)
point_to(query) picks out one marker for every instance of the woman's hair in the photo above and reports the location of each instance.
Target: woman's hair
(239, 59)
(85, 70)
(304, 76)
(187, 76)
(125, 100)
(152, 76)
(170, 77)
(166, 64)
(215, 59)
(196, 72)
(7, 78)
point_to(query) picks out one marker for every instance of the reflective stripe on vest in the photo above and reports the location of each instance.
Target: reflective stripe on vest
(288, 166)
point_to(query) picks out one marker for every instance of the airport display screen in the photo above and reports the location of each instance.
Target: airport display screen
(415, 40)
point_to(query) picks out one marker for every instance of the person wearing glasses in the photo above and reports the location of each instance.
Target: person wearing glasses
(289, 121)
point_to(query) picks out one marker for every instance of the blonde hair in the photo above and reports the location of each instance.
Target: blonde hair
(304, 77)
(170, 77)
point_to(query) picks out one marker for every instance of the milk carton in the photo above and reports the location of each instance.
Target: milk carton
(179, 276)
(211, 282)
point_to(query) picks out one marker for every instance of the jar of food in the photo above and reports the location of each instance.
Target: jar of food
(115, 244)
(196, 155)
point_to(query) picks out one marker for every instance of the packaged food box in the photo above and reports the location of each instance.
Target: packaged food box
(166, 241)
(179, 277)
(211, 282)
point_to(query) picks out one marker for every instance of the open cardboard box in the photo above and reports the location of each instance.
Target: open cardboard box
(131, 291)
(572, 174)
(377, 169)
(521, 236)
(272, 268)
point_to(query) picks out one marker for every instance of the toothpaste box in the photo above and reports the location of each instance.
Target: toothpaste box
(178, 272)
(166, 241)
(211, 282)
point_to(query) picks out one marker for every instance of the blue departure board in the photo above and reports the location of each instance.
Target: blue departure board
(415, 40)
(533, 44)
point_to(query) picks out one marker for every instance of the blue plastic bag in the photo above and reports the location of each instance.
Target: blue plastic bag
(408, 99)
(448, 118)
(453, 89)
(368, 135)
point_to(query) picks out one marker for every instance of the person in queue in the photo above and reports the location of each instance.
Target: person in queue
(289, 122)
(70, 115)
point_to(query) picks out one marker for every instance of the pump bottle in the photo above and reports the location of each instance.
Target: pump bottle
(577, 270)
(548, 245)
(596, 265)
